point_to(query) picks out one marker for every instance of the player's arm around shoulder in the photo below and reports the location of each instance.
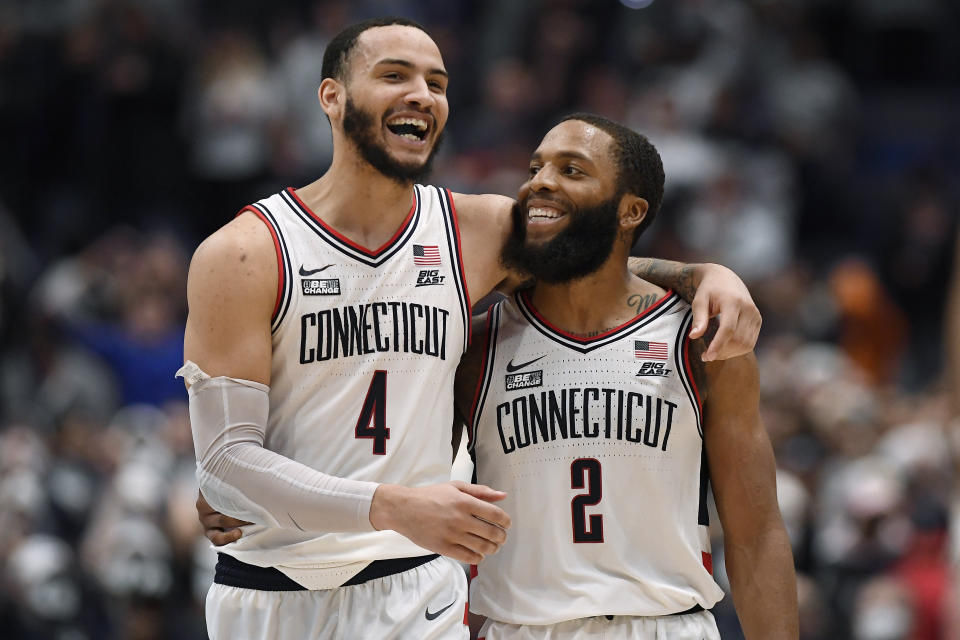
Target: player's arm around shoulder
(231, 291)
(714, 291)
(743, 473)
(485, 223)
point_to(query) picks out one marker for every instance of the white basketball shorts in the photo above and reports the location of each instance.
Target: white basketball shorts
(428, 601)
(690, 626)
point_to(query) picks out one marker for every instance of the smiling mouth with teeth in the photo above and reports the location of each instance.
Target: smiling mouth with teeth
(409, 128)
(541, 213)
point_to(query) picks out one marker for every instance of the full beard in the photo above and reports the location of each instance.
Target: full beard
(577, 251)
(359, 127)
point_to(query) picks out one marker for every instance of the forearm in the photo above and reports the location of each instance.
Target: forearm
(255, 484)
(764, 584)
(668, 274)
(240, 478)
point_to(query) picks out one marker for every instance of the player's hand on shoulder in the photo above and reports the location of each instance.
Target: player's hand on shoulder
(722, 294)
(218, 528)
(455, 519)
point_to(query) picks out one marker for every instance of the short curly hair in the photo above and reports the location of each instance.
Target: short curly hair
(639, 168)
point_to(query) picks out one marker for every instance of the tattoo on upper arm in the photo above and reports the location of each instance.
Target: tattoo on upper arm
(667, 274)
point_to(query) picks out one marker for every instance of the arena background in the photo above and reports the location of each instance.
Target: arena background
(811, 145)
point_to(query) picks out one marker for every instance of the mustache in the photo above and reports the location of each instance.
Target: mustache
(562, 202)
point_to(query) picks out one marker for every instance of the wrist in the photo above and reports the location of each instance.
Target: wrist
(383, 506)
(698, 270)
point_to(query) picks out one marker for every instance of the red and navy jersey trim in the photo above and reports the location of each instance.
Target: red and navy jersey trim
(372, 258)
(703, 512)
(456, 258)
(486, 375)
(284, 269)
(586, 345)
(681, 357)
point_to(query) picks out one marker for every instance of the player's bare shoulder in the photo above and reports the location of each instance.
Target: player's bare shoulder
(484, 222)
(239, 256)
(231, 293)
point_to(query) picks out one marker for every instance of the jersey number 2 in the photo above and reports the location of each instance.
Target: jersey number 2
(372, 422)
(585, 473)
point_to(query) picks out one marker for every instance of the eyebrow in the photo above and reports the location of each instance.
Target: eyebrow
(409, 65)
(565, 154)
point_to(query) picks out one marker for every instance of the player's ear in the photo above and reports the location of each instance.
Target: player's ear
(333, 97)
(633, 210)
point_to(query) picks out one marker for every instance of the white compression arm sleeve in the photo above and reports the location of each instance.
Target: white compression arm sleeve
(240, 478)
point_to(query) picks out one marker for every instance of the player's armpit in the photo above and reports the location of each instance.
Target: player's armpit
(470, 368)
(476, 622)
(714, 291)
(742, 471)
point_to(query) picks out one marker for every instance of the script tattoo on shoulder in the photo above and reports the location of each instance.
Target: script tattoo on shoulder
(641, 302)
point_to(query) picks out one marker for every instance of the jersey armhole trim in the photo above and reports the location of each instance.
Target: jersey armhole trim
(681, 356)
(283, 269)
(689, 369)
(459, 264)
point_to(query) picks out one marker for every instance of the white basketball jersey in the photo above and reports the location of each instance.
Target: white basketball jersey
(365, 347)
(598, 445)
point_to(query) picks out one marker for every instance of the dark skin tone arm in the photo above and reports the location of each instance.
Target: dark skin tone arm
(757, 550)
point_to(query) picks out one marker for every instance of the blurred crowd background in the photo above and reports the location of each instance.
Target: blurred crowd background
(811, 145)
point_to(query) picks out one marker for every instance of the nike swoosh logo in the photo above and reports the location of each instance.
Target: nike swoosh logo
(432, 616)
(516, 367)
(304, 272)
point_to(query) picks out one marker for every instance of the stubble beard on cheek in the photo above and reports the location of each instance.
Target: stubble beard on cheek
(359, 126)
(575, 252)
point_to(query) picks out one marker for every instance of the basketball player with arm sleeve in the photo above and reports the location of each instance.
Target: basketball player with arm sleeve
(605, 429)
(325, 327)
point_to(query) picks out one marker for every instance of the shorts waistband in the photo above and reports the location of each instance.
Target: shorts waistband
(231, 572)
(694, 609)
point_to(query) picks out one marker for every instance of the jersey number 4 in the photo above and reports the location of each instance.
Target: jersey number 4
(585, 473)
(372, 422)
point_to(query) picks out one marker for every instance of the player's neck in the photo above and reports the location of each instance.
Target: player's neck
(603, 300)
(359, 201)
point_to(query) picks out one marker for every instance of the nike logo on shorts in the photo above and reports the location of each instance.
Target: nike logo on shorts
(433, 616)
(516, 367)
(305, 272)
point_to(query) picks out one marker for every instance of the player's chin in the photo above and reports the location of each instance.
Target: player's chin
(540, 231)
(409, 159)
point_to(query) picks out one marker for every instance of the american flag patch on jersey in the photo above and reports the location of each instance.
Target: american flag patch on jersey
(426, 255)
(650, 350)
